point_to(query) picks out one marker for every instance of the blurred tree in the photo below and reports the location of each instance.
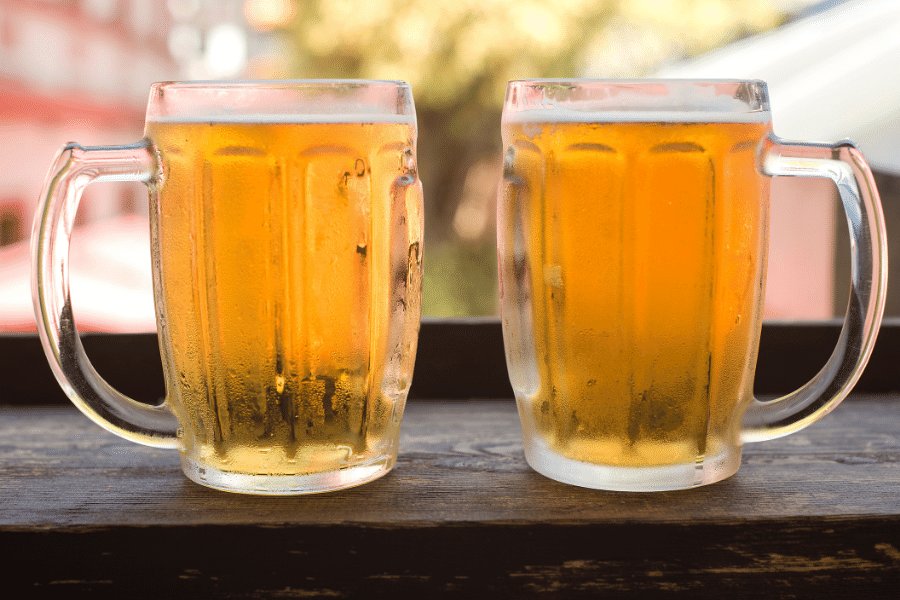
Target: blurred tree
(458, 56)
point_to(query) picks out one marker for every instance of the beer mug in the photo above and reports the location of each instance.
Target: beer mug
(632, 233)
(286, 228)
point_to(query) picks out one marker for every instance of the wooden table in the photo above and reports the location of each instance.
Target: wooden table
(815, 514)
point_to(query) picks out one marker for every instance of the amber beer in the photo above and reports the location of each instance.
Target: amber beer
(632, 264)
(277, 297)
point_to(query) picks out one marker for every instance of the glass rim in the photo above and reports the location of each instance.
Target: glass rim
(279, 83)
(282, 100)
(633, 81)
(637, 99)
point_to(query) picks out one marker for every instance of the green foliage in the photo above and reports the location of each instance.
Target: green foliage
(453, 52)
(462, 52)
(460, 279)
(459, 54)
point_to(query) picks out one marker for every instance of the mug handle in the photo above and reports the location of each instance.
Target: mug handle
(75, 167)
(844, 164)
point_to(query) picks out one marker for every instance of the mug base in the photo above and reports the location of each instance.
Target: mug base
(286, 485)
(704, 471)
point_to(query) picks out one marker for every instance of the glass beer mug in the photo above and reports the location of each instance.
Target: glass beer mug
(632, 235)
(286, 244)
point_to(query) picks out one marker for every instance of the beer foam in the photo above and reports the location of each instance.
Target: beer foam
(288, 119)
(563, 115)
(636, 101)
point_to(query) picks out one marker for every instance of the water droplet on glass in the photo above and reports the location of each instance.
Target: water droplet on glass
(553, 275)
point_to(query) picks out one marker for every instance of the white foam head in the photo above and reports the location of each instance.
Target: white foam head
(300, 101)
(654, 101)
(565, 115)
(294, 119)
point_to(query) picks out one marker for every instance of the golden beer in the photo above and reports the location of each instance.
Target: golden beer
(288, 288)
(632, 258)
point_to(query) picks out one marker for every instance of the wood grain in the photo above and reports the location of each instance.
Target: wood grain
(816, 514)
(459, 462)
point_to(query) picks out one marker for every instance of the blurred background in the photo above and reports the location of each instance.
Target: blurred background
(79, 70)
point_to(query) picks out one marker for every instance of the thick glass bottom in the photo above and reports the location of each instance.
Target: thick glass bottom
(286, 485)
(705, 470)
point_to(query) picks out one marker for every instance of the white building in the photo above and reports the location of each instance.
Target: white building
(80, 70)
(832, 75)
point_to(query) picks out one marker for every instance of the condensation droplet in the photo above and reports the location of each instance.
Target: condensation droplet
(553, 275)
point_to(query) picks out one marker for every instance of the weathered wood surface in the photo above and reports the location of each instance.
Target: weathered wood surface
(816, 514)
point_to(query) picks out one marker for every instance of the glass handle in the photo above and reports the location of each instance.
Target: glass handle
(845, 165)
(75, 168)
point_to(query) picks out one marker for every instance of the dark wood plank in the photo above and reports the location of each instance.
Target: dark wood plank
(852, 560)
(130, 362)
(816, 514)
(457, 359)
(459, 462)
